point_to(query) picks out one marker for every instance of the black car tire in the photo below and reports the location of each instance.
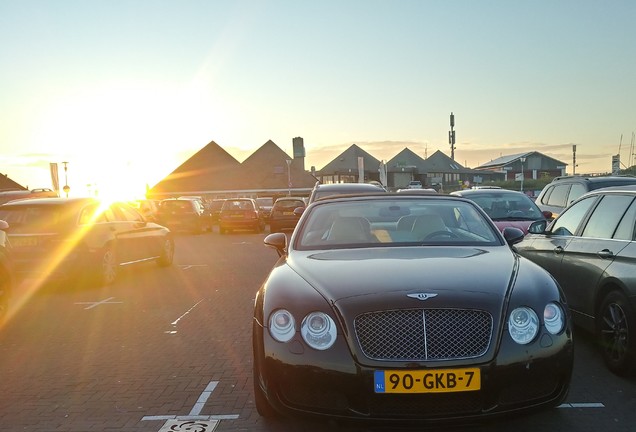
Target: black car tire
(107, 266)
(616, 329)
(167, 253)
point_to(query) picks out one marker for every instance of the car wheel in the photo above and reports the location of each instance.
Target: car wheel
(167, 253)
(108, 267)
(616, 328)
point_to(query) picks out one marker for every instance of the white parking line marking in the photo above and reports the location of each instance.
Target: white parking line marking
(196, 410)
(95, 304)
(582, 405)
(175, 322)
(189, 266)
(198, 406)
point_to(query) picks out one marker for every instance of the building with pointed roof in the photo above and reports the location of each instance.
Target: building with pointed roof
(8, 184)
(203, 171)
(269, 171)
(533, 164)
(345, 168)
(213, 173)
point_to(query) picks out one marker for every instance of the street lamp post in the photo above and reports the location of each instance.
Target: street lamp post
(66, 187)
(289, 183)
(522, 175)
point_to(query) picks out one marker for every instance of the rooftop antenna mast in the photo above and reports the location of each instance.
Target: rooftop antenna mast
(620, 143)
(451, 135)
(631, 154)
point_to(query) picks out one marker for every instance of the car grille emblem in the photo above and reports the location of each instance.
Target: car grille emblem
(422, 296)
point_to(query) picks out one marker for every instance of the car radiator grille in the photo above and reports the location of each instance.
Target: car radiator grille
(424, 334)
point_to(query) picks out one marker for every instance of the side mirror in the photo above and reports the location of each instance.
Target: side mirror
(538, 227)
(299, 211)
(277, 241)
(4, 225)
(513, 235)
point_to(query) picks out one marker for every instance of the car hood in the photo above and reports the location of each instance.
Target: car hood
(358, 280)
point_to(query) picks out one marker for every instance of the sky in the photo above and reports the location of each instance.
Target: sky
(125, 91)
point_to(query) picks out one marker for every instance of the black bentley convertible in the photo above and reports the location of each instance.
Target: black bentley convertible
(407, 307)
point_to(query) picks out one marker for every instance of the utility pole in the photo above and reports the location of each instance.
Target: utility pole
(573, 159)
(451, 135)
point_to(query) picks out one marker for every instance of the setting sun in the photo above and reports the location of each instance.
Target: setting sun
(121, 162)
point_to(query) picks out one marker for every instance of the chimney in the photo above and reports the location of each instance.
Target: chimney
(299, 153)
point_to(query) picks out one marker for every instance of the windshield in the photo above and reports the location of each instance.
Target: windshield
(394, 222)
(507, 206)
(44, 219)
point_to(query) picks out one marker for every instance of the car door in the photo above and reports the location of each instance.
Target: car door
(547, 249)
(134, 235)
(587, 256)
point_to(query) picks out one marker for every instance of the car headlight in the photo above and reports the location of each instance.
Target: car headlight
(318, 330)
(553, 318)
(523, 325)
(282, 326)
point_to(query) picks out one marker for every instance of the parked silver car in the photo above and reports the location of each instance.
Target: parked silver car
(590, 250)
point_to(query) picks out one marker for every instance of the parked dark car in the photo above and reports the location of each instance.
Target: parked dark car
(6, 271)
(323, 190)
(590, 250)
(506, 208)
(562, 191)
(67, 237)
(282, 216)
(240, 214)
(364, 318)
(265, 205)
(184, 214)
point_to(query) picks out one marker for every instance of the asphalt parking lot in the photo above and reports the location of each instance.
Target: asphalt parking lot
(169, 349)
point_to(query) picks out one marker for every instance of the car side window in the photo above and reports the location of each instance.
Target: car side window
(606, 216)
(567, 223)
(559, 195)
(576, 191)
(89, 214)
(625, 230)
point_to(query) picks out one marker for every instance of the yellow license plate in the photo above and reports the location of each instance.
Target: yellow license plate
(427, 381)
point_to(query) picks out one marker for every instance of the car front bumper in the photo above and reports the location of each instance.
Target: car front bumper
(301, 381)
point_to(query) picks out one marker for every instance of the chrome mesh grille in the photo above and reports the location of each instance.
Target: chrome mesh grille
(424, 334)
